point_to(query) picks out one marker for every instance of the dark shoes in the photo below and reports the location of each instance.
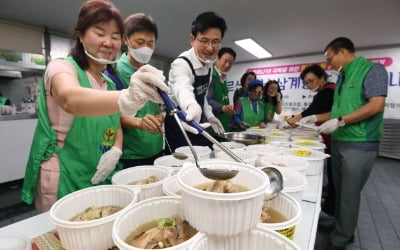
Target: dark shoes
(332, 247)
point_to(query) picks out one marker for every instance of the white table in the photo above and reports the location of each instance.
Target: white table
(304, 235)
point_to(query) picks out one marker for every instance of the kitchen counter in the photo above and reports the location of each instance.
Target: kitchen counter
(17, 117)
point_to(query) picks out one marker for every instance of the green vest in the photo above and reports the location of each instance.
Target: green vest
(249, 116)
(87, 139)
(348, 97)
(3, 100)
(270, 110)
(138, 144)
(221, 96)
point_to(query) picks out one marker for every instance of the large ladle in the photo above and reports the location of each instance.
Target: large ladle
(214, 174)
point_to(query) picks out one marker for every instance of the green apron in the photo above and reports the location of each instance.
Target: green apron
(138, 144)
(87, 139)
(221, 96)
(348, 97)
(3, 100)
(249, 116)
(270, 110)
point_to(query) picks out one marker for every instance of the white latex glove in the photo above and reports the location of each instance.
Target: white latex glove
(141, 89)
(192, 130)
(193, 112)
(284, 125)
(329, 126)
(309, 119)
(106, 164)
(216, 125)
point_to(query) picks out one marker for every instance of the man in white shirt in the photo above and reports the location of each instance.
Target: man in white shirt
(190, 76)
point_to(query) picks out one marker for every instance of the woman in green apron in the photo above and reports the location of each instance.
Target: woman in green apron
(77, 141)
(272, 97)
(250, 110)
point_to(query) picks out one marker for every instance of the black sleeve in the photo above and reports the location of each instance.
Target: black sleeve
(322, 103)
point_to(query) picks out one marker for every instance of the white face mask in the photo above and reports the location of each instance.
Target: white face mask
(315, 89)
(142, 54)
(99, 60)
(206, 61)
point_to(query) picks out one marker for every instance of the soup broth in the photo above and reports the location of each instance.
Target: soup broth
(144, 181)
(270, 215)
(93, 213)
(221, 187)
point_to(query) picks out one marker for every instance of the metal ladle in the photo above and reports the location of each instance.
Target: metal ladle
(276, 182)
(214, 174)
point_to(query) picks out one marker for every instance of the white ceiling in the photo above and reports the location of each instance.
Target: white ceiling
(287, 28)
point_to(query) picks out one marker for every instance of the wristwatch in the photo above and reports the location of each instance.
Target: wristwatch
(341, 122)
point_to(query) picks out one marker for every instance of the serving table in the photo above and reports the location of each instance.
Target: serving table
(304, 235)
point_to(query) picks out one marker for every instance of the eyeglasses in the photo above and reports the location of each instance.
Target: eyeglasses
(329, 58)
(205, 42)
(309, 81)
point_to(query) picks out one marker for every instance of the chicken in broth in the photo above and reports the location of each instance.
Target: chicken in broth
(162, 233)
(93, 213)
(144, 181)
(270, 215)
(221, 187)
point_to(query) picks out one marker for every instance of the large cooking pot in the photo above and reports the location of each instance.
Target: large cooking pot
(243, 137)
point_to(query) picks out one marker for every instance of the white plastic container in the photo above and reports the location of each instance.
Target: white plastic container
(171, 162)
(247, 156)
(263, 150)
(254, 239)
(278, 135)
(290, 208)
(171, 187)
(313, 145)
(305, 138)
(94, 234)
(230, 145)
(146, 191)
(203, 152)
(147, 211)
(223, 213)
(315, 158)
(14, 241)
(285, 162)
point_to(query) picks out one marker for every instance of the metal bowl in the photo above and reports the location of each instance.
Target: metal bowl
(245, 138)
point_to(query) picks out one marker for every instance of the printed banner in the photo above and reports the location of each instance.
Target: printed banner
(297, 97)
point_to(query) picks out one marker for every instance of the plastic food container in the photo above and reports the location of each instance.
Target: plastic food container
(230, 145)
(247, 156)
(171, 162)
(203, 152)
(14, 241)
(285, 162)
(94, 234)
(313, 145)
(171, 187)
(315, 158)
(305, 138)
(144, 212)
(146, 191)
(255, 239)
(223, 213)
(290, 208)
(278, 135)
(263, 150)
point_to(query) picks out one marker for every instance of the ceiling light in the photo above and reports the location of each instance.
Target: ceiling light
(254, 48)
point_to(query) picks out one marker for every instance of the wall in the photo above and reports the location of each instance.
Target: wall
(20, 37)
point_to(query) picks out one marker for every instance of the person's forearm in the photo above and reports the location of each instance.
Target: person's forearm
(130, 122)
(278, 108)
(119, 138)
(323, 117)
(374, 106)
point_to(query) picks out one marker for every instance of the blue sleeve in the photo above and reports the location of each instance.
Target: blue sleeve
(238, 115)
(376, 81)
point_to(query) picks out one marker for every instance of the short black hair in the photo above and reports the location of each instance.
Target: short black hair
(244, 76)
(316, 70)
(341, 43)
(207, 20)
(224, 50)
(140, 22)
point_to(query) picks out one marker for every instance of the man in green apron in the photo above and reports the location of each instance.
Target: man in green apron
(143, 140)
(217, 95)
(355, 122)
